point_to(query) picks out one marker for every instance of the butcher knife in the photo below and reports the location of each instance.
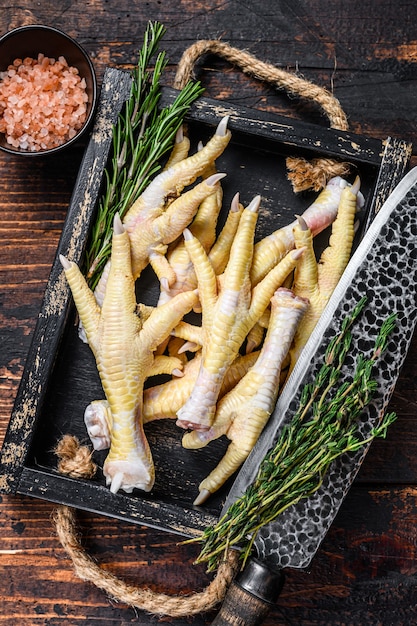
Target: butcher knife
(384, 269)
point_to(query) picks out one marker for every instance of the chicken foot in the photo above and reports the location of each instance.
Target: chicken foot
(229, 310)
(123, 346)
(318, 216)
(154, 221)
(243, 412)
(317, 281)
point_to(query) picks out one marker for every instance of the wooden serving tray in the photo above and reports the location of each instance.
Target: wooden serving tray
(60, 377)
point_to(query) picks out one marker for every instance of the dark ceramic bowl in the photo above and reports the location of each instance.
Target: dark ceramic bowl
(29, 41)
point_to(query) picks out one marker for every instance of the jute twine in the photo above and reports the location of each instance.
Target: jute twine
(75, 460)
(303, 174)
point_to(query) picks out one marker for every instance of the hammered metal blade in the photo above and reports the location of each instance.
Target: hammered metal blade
(384, 267)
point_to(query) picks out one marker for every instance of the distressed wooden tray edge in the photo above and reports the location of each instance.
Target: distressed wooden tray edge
(390, 157)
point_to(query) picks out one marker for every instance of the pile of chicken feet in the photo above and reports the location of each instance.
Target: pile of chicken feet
(258, 304)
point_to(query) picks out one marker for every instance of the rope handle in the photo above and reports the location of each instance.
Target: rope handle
(303, 174)
(75, 460)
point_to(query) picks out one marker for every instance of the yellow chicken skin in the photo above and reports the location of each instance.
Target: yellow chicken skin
(243, 412)
(317, 281)
(123, 346)
(218, 252)
(205, 222)
(230, 308)
(180, 149)
(151, 236)
(269, 250)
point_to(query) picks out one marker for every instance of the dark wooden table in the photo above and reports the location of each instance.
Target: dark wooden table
(366, 570)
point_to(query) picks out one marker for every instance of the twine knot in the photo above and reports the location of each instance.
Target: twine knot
(74, 460)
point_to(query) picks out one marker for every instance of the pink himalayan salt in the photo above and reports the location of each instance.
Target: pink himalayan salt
(43, 103)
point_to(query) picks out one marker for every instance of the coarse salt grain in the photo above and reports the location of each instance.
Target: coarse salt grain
(43, 103)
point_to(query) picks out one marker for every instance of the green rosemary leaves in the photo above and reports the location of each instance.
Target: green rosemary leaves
(323, 428)
(143, 134)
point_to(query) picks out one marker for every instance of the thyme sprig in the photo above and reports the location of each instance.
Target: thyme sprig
(324, 427)
(142, 135)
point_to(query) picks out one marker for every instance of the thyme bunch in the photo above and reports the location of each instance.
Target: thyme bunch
(142, 135)
(323, 428)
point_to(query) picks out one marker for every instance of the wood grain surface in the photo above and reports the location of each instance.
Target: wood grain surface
(366, 52)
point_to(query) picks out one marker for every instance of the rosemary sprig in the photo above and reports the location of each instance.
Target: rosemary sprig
(142, 135)
(323, 428)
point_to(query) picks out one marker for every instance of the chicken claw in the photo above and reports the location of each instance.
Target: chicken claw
(319, 215)
(229, 310)
(123, 345)
(243, 412)
(317, 281)
(155, 220)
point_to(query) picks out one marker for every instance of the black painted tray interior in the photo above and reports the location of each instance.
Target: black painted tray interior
(60, 377)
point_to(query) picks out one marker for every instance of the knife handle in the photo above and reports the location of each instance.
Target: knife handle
(250, 596)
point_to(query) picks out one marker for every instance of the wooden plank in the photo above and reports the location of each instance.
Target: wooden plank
(305, 137)
(366, 567)
(87, 496)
